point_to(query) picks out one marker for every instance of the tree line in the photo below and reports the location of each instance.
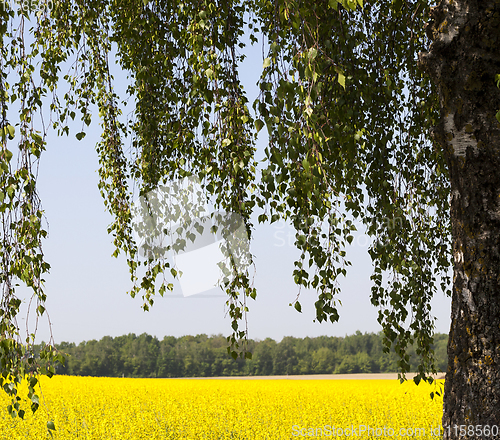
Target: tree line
(207, 356)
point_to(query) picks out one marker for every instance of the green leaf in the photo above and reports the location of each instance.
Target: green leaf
(341, 79)
(267, 63)
(37, 138)
(298, 307)
(333, 4)
(80, 135)
(312, 53)
(11, 131)
(8, 155)
(301, 239)
(498, 115)
(10, 190)
(258, 125)
(51, 426)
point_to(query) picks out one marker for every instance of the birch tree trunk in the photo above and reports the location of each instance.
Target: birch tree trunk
(463, 61)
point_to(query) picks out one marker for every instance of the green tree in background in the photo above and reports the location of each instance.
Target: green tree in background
(357, 131)
(202, 356)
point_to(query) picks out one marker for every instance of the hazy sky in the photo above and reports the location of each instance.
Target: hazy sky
(87, 287)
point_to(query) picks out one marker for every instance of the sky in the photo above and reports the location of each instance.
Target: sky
(87, 287)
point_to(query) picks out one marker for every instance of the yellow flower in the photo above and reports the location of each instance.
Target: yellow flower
(117, 408)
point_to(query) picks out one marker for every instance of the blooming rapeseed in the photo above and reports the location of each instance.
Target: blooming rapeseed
(135, 409)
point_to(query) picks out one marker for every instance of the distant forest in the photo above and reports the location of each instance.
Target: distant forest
(204, 356)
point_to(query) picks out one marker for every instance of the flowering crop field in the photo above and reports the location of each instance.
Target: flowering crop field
(116, 408)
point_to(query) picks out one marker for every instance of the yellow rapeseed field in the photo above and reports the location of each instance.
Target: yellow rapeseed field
(116, 408)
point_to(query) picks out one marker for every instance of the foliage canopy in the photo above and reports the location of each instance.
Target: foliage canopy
(346, 110)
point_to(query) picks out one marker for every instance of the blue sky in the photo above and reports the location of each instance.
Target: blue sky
(87, 287)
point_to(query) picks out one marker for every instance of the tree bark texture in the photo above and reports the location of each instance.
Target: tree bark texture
(463, 59)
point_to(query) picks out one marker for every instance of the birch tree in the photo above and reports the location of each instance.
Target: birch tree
(372, 115)
(463, 62)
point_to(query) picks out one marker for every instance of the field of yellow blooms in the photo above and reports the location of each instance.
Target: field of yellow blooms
(135, 409)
